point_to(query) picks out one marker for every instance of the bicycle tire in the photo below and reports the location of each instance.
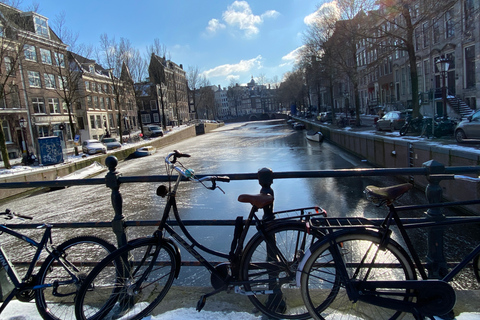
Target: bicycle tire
(81, 253)
(109, 291)
(404, 130)
(322, 291)
(476, 267)
(288, 303)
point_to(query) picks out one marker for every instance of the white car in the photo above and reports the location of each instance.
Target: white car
(93, 147)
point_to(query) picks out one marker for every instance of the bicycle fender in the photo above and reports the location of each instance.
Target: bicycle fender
(178, 257)
(301, 265)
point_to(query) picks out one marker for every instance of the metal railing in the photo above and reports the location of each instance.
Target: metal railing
(434, 171)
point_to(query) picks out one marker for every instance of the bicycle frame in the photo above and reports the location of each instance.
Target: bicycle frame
(11, 271)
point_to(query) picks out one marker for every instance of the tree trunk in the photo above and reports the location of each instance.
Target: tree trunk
(3, 147)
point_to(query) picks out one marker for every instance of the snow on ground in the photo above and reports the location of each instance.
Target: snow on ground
(29, 312)
(17, 166)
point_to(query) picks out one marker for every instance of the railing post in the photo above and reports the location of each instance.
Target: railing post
(436, 263)
(111, 180)
(265, 179)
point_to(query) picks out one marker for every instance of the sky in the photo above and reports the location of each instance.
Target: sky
(225, 40)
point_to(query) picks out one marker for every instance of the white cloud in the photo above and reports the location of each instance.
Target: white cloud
(214, 25)
(232, 70)
(326, 9)
(239, 15)
(291, 57)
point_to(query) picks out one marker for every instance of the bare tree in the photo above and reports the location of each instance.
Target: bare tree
(113, 55)
(393, 28)
(157, 48)
(12, 43)
(193, 79)
(69, 75)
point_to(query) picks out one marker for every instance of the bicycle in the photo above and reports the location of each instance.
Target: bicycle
(358, 271)
(134, 279)
(55, 285)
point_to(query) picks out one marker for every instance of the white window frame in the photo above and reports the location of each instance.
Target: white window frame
(49, 81)
(156, 117)
(34, 79)
(30, 52)
(45, 56)
(41, 26)
(59, 59)
(38, 105)
(53, 105)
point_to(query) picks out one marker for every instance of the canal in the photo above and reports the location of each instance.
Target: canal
(234, 148)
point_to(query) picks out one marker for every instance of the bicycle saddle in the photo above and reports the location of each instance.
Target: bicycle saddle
(258, 200)
(389, 194)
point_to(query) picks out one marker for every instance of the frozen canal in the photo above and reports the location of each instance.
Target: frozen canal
(235, 148)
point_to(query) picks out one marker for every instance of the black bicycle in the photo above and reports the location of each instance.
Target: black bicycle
(359, 271)
(134, 279)
(55, 285)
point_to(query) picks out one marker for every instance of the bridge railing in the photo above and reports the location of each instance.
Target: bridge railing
(434, 171)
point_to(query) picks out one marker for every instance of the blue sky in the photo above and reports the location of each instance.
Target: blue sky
(224, 39)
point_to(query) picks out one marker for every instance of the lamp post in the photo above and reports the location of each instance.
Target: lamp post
(23, 125)
(443, 64)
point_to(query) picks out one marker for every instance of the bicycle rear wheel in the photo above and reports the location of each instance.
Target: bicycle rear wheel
(80, 255)
(129, 283)
(262, 266)
(324, 295)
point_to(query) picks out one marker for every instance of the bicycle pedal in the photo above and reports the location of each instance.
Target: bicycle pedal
(201, 303)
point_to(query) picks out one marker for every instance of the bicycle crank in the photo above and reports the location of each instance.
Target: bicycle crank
(427, 297)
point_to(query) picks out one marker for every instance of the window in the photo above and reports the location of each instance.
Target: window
(145, 118)
(102, 103)
(59, 59)
(42, 131)
(41, 27)
(469, 12)
(105, 88)
(94, 86)
(110, 120)
(53, 105)
(64, 107)
(49, 81)
(30, 52)
(436, 32)
(2, 30)
(9, 66)
(91, 68)
(153, 105)
(89, 102)
(38, 105)
(156, 118)
(87, 85)
(470, 67)
(107, 103)
(62, 83)
(449, 24)
(45, 56)
(95, 102)
(92, 122)
(34, 79)
(99, 122)
(426, 35)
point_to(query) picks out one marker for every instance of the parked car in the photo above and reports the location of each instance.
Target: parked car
(111, 143)
(152, 131)
(468, 129)
(392, 120)
(325, 116)
(93, 147)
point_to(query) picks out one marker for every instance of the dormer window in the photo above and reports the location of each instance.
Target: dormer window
(41, 27)
(92, 69)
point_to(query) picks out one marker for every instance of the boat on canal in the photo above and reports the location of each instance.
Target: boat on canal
(314, 136)
(144, 151)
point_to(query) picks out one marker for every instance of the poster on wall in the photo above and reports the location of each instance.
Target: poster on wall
(50, 150)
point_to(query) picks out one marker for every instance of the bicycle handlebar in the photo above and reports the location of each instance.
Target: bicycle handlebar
(172, 158)
(10, 215)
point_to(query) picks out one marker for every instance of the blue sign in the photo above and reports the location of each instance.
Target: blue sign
(50, 150)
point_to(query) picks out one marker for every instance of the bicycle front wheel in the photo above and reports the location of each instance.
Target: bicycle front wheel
(129, 283)
(269, 268)
(324, 293)
(78, 255)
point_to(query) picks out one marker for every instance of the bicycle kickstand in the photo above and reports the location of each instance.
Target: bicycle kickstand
(203, 298)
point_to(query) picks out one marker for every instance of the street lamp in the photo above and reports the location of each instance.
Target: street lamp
(443, 64)
(23, 125)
